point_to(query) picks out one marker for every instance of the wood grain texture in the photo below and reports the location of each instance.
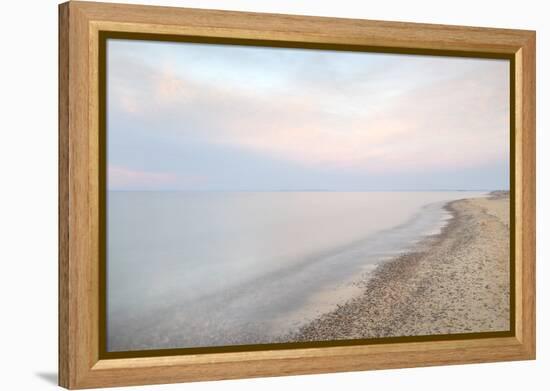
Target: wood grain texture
(63, 200)
(528, 189)
(78, 282)
(80, 23)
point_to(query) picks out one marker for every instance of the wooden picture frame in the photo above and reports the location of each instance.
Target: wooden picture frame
(81, 24)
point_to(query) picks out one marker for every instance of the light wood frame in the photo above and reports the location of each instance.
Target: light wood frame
(80, 23)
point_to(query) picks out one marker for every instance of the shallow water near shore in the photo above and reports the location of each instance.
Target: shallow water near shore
(457, 282)
(189, 269)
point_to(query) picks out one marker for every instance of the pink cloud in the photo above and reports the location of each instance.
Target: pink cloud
(126, 178)
(454, 123)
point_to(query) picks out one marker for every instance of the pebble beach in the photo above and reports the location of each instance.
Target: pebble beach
(455, 282)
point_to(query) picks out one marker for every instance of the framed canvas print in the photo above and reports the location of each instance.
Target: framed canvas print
(249, 195)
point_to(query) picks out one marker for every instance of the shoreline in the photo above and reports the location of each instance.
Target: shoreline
(456, 281)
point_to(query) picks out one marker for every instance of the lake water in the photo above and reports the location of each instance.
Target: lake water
(190, 269)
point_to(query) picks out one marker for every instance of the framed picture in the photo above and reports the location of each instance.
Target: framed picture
(247, 195)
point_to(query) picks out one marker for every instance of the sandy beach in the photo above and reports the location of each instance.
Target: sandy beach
(454, 282)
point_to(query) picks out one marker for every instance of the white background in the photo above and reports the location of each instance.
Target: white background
(28, 214)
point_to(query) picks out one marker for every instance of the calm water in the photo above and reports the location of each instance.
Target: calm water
(187, 269)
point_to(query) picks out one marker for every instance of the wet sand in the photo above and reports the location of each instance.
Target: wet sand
(454, 282)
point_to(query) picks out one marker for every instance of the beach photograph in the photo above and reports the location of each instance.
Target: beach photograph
(267, 195)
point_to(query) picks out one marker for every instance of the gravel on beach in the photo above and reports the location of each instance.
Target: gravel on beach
(454, 282)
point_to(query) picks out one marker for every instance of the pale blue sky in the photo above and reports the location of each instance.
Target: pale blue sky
(187, 116)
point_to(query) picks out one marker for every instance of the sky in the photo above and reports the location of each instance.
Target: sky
(203, 117)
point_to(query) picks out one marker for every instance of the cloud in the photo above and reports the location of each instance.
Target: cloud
(395, 114)
(123, 178)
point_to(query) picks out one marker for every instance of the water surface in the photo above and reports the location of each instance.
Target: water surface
(189, 269)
